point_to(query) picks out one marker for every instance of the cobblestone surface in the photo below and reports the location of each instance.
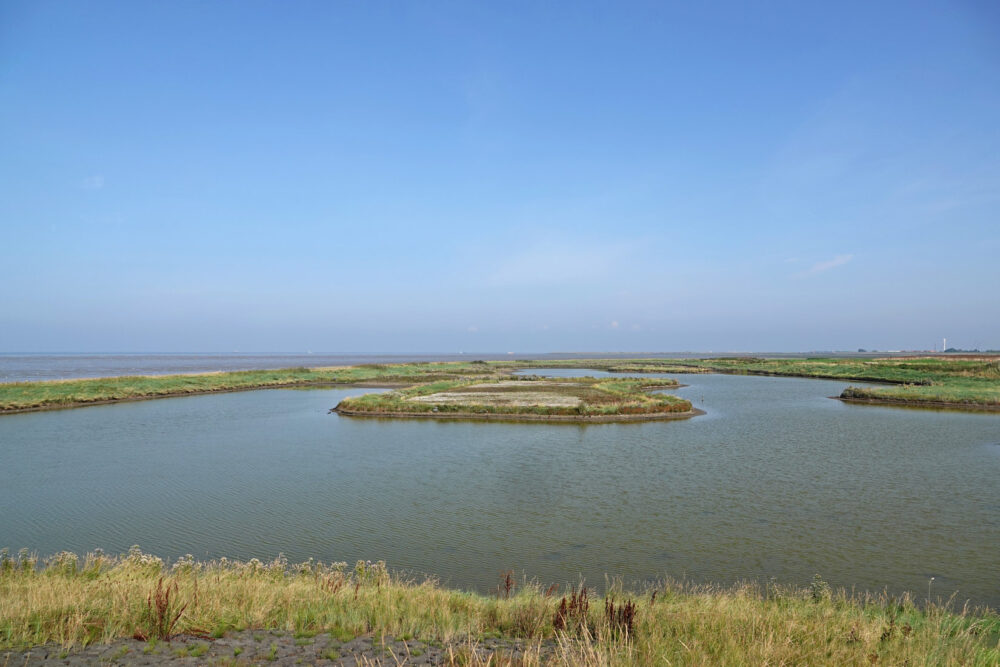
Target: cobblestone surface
(262, 647)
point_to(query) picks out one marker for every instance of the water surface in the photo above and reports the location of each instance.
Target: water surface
(776, 480)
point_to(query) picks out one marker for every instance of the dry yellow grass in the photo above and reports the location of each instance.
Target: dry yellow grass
(98, 599)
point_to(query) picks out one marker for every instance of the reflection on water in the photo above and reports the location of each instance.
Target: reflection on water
(775, 480)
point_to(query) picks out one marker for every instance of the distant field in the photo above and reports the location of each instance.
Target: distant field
(968, 382)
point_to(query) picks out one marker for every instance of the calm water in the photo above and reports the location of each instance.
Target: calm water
(776, 480)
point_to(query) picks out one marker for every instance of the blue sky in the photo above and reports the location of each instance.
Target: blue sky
(539, 176)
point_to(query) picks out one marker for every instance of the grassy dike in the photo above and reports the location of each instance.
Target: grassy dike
(76, 602)
(26, 396)
(962, 383)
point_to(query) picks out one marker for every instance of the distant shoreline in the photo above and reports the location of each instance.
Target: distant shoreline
(968, 383)
(45, 367)
(201, 392)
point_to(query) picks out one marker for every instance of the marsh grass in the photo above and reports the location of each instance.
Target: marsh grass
(103, 598)
(957, 392)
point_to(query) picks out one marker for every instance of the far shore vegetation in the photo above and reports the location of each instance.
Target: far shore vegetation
(970, 383)
(965, 382)
(579, 398)
(70, 602)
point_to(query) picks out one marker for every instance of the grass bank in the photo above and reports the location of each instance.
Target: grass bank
(581, 398)
(23, 396)
(97, 599)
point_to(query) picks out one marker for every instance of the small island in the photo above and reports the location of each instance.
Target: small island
(530, 398)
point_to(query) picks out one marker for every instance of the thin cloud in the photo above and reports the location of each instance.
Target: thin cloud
(562, 263)
(93, 182)
(820, 267)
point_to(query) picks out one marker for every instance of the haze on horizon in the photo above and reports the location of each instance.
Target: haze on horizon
(444, 176)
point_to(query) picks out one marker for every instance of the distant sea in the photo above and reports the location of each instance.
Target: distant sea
(28, 367)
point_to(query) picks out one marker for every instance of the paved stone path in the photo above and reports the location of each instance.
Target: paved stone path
(263, 647)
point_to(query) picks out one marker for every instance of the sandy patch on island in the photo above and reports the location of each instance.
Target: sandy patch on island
(520, 398)
(522, 383)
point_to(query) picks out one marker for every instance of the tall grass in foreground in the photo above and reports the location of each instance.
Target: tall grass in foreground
(75, 601)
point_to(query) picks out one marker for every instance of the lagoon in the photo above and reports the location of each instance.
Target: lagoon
(776, 480)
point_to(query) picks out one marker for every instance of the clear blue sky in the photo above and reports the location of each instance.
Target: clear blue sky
(540, 176)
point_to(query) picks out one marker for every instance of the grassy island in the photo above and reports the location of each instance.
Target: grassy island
(965, 382)
(530, 398)
(136, 607)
